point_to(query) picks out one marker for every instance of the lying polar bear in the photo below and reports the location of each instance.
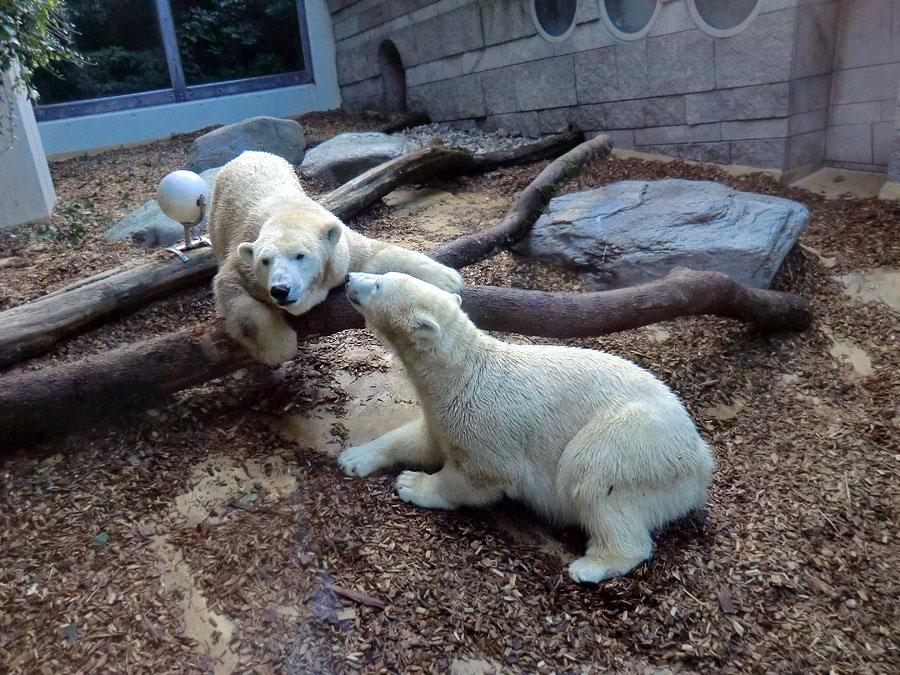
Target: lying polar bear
(278, 249)
(581, 436)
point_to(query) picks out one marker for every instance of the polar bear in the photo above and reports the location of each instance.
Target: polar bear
(583, 437)
(278, 249)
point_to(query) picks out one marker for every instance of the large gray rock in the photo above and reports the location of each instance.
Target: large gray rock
(345, 156)
(268, 134)
(148, 226)
(633, 232)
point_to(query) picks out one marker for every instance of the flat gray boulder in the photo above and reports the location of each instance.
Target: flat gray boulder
(268, 134)
(345, 156)
(148, 226)
(633, 232)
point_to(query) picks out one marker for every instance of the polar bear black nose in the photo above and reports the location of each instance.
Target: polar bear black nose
(280, 292)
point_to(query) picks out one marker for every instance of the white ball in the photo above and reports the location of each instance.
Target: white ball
(178, 193)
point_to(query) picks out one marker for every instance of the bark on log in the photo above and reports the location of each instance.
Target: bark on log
(526, 209)
(43, 403)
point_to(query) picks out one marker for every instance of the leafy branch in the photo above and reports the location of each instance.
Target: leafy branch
(33, 34)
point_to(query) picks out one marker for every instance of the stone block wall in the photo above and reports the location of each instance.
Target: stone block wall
(764, 97)
(862, 115)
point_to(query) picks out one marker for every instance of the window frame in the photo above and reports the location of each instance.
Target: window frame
(543, 32)
(181, 92)
(622, 35)
(711, 30)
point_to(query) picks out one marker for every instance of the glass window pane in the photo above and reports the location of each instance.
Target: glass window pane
(724, 14)
(121, 41)
(555, 16)
(223, 40)
(630, 16)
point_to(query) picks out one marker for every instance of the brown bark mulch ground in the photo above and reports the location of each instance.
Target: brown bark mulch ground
(193, 538)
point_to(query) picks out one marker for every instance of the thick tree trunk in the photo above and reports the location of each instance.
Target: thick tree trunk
(57, 399)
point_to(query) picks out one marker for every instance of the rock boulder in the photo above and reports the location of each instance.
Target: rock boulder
(347, 155)
(268, 134)
(633, 232)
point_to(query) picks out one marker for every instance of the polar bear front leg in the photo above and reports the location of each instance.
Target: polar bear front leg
(397, 259)
(409, 445)
(261, 330)
(449, 488)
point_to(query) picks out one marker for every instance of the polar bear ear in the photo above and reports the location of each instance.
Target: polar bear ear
(331, 232)
(425, 329)
(245, 250)
(458, 299)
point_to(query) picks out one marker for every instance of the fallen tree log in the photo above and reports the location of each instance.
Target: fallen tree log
(526, 209)
(42, 403)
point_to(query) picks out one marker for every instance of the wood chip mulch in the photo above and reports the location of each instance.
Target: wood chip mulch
(294, 568)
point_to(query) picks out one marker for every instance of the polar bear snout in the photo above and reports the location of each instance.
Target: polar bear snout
(283, 289)
(360, 287)
(285, 279)
(280, 292)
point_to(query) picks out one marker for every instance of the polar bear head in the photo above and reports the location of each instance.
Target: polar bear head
(408, 313)
(291, 260)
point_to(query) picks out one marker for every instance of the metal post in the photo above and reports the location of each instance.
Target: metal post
(170, 44)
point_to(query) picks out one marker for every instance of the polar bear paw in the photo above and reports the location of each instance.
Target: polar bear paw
(279, 345)
(417, 487)
(592, 569)
(445, 278)
(360, 460)
(589, 571)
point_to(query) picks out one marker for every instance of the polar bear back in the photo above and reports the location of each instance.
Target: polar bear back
(249, 190)
(538, 398)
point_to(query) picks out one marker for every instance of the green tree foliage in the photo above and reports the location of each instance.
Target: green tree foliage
(36, 34)
(218, 40)
(233, 39)
(123, 52)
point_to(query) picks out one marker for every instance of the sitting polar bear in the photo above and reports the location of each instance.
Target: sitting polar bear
(583, 437)
(278, 249)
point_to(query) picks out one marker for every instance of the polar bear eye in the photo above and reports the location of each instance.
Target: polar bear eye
(300, 256)
(378, 284)
(265, 262)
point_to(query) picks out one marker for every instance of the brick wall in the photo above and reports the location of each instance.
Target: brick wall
(764, 97)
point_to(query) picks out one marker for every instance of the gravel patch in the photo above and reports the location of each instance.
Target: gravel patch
(471, 139)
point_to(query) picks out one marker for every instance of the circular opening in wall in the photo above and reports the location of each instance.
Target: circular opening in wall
(554, 19)
(394, 77)
(629, 19)
(723, 18)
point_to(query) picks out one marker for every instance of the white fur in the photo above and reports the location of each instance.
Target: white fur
(268, 234)
(581, 436)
